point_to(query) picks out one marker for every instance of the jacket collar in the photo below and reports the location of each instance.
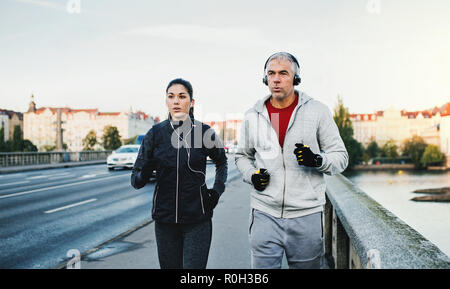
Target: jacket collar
(260, 104)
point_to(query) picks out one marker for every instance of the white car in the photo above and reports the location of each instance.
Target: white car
(232, 149)
(123, 157)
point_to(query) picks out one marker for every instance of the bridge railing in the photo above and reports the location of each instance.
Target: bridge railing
(38, 158)
(360, 233)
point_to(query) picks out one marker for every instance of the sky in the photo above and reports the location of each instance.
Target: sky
(120, 55)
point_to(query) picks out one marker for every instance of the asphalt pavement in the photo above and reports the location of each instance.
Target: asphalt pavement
(44, 214)
(229, 247)
(49, 215)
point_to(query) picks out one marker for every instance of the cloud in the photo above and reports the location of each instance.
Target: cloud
(217, 35)
(43, 4)
(69, 6)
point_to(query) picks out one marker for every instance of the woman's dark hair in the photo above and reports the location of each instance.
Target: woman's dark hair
(188, 87)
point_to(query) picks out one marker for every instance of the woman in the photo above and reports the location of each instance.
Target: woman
(182, 204)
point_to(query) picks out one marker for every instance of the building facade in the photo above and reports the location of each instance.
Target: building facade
(228, 130)
(433, 125)
(39, 125)
(8, 120)
(4, 123)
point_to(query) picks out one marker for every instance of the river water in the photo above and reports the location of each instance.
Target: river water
(394, 189)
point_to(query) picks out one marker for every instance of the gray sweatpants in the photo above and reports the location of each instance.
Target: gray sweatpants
(301, 239)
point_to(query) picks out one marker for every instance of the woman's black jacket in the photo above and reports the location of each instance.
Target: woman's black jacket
(180, 194)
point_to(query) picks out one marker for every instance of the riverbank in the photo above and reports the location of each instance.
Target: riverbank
(384, 167)
(434, 195)
(395, 167)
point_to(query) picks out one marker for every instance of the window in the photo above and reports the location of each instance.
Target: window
(127, 150)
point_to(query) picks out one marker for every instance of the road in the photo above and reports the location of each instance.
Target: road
(46, 213)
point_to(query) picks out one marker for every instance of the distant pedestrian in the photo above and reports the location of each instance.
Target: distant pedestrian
(177, 149)
(288, 141)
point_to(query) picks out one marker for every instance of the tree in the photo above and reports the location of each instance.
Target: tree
(28, 146)
(390, 150)
(130, 140)
(354, 148)
(372, 149)
(17, 143)
(355, 151)
(17, 140)
(50, 148)
(2, 140)
(111, 138)
(90, 140)
(432, 154)
(414, 148)
(342, 119)
(366, 158)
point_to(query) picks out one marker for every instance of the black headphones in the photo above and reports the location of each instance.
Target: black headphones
(297, 78)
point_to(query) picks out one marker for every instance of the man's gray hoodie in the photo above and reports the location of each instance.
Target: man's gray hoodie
(293, 190)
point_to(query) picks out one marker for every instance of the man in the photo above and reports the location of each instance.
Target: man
(288, 141)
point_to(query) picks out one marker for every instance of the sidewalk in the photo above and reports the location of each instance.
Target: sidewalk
(229, 248)
(18, 169)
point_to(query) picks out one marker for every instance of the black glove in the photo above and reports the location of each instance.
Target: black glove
(260, 179)
(306, 157)
(210, 199)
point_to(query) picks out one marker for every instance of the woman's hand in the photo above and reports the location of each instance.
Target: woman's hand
(211, 198)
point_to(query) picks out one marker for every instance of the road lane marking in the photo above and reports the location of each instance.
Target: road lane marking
(60, 186)
(61, 174)
(15, 183)
(87, 176)
(37, 177)
(70, 206)
(104, 173)
(60, 177)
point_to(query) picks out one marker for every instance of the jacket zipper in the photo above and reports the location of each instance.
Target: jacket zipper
(176, 196)
(201, 200)
(154, 199)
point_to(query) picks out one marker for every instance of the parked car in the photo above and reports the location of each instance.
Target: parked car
(232, 149)
(139, 139)
(123, 157)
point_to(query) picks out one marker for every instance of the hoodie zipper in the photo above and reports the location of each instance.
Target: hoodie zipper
(282, 151)
(284, 165)
(284, 183)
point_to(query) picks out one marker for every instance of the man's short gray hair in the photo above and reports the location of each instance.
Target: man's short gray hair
(282, 55)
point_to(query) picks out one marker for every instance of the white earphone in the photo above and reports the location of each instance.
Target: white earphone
(188, 150)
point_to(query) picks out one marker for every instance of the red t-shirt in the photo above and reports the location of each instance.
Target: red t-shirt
(279, 118)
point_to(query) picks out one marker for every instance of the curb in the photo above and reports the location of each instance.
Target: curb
(63, 264)
(12, 170)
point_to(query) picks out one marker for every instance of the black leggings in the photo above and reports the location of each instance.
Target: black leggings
(183, 246)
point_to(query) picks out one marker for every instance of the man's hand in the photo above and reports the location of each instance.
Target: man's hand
(305, 157)
(260, 179)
